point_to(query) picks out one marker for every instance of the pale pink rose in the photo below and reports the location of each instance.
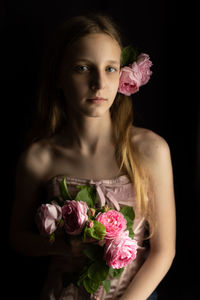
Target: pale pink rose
(120, 251)
(114, 222)
(47, 217)
(75, 216)
(130, 80)
(144, 64)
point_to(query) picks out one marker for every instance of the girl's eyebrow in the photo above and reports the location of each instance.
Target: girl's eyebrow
(107, 61)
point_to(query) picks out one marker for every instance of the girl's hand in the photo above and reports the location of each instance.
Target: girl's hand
(77, 247)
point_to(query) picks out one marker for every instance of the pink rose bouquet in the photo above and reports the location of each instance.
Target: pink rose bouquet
(75, 216)
(111, 231)
(120, 251)
(48, 217)
(114, 222)
(135, 71)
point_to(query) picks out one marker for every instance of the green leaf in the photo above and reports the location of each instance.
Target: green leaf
(128, 211)
(98, 271)
(129, 55)
(97, 232)
(86, 194)
(52, 238)
(90, 285)
(82, 276)
(94, 252)
(64, 190)
(95, 198)
(131, 233)
(83, 273)
(129, 215)
(106, 285)
(115, 272)
(129, 222)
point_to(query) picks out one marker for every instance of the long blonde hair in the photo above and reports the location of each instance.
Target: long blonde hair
(50, 116)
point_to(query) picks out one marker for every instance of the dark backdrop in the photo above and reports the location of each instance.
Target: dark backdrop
(168, 105)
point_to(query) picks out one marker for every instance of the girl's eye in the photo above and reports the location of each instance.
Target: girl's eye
(84, 68)
(81, 69)
(111, 69)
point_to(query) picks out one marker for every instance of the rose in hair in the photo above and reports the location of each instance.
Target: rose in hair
(144, 64)
(114, 222)
(135, 74)
(120, 251)
(47, 218)
(130, 80)
(75, 216)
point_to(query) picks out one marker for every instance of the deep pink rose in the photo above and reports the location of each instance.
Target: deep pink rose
(144, 65)
(75, 216)
(130, 80)
(114, 222)
(46, 218)
(120, 251)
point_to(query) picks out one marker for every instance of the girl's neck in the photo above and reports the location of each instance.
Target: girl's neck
(89, 135)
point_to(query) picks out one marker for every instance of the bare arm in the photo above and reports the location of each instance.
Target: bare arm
(162, 244)
(32, 168)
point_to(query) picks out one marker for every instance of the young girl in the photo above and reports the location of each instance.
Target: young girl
(84, 131)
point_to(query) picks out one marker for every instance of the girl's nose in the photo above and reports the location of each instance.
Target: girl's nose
(97, 80)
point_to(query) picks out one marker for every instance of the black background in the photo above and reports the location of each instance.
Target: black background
(168, 105)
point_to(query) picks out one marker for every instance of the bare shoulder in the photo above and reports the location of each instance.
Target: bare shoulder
(152, 147)
(35, 160)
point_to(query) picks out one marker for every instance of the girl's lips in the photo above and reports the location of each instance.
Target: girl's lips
(97, 100)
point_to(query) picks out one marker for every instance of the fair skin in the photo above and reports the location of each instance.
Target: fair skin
(94, 68)
(156, 155)
(89, 144)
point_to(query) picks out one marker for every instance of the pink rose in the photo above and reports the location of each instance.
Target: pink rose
(47, 217)
(120, 251)
(130, 80)
(144, 65)
(90, 224)
(75, 216)
(114, 222)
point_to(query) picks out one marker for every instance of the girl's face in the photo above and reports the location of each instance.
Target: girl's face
(91, 69)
